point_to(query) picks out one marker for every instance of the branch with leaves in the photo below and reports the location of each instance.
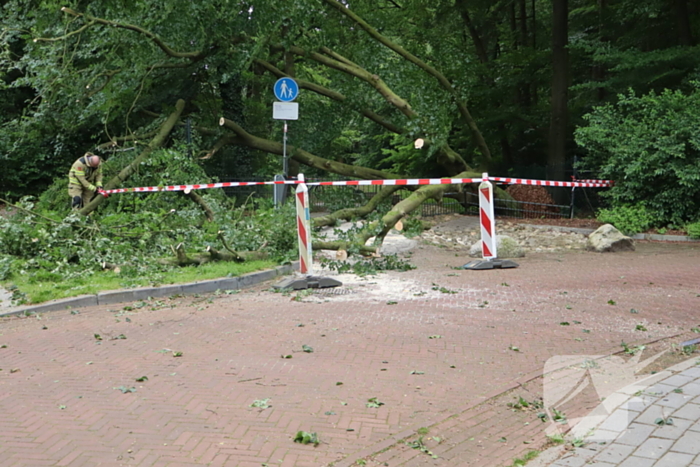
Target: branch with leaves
(444, 82)
(92, 21)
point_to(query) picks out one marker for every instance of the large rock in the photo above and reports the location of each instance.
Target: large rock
(608, 239)
(506, 247)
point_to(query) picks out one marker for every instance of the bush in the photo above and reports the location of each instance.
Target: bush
(693, 230)
(650, 147)
(629, 220)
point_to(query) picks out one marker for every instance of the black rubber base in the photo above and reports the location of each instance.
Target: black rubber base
(308, 282)
(490, 264)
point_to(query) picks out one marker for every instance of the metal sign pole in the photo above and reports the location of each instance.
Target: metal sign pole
(284, 152)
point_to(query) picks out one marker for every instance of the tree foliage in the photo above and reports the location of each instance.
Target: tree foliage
(650, 146)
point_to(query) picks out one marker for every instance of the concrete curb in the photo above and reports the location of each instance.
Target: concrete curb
(130, 295)
(654, 237)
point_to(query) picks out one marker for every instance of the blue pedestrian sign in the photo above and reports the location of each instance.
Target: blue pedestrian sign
(286, 89)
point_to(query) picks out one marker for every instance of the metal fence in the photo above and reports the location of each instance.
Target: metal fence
(324, 198)
(331, 198)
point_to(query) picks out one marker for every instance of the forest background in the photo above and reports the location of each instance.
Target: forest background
(172, 92)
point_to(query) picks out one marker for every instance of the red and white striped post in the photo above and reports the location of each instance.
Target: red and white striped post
(305, 280)
(489, 249)
(487, 220)
(304, 227)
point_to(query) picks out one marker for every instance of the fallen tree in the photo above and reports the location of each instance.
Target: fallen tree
(392, 113)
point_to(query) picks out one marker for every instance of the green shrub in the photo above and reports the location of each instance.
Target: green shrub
(629, 220)
(693, 230)
(650, 146)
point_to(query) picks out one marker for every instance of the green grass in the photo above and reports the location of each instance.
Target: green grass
(521, 461)
(38, 291)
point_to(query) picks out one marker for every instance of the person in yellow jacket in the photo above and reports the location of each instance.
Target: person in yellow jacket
(84, 179)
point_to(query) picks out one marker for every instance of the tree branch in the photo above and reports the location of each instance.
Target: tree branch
(444, 82)
(131, 168)
(198, 55)
(66, 36)
(336, 96)
(350, 213)
(304, 157)
(374, 80)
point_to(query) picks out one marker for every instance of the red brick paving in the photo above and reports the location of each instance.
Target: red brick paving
(64, 407)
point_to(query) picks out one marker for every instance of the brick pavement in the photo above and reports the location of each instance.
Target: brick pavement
(63, 405)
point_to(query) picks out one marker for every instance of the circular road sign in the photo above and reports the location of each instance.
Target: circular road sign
(286, 89)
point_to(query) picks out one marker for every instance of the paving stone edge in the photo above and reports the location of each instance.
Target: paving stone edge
(130, 295)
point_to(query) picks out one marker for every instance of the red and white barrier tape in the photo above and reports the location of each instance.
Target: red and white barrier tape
(578, 183)
(385, 182)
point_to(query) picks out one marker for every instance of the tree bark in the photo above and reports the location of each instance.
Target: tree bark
(556, 158)
(156, 142)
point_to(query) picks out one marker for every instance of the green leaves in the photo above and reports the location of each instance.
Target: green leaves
(649, 145)
(261, 404)
(304, 437)
(307, 349)
(420, 445)
(373, 403)
(664, 421)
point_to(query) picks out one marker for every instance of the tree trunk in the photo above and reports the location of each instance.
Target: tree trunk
(556, 159)
(598, 71)
(685, 35)
(131, 168)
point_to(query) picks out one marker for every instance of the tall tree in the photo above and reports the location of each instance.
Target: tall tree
(558, 128)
